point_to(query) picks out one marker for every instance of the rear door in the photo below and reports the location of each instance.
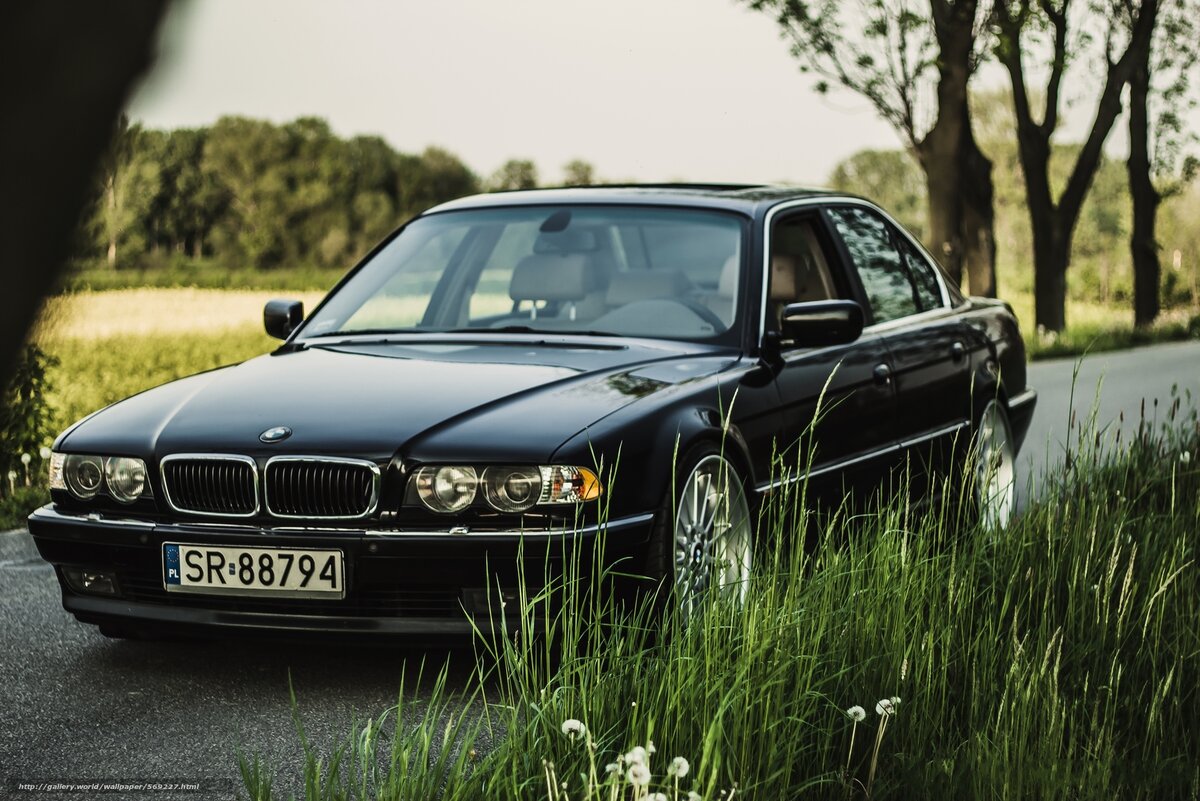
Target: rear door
(927, 343)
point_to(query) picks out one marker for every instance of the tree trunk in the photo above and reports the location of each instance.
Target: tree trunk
(945, 210)
(111, 195)
(1142, 245)
(978, 216)
(1051, 257)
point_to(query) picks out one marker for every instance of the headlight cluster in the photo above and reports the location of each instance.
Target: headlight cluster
(122, 478)
(506, 488)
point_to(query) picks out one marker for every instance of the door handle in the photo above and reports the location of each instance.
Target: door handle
(882, 373)
(958, 351)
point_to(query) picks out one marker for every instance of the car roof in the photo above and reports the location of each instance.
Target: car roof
(746, 198)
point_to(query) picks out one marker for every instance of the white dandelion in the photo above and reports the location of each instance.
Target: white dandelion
(45, 453)
(857, 714)
(656, 797)
(895, 699)
(885, 707)
(693, 796)
(573, 728)
(1185, 457)
(612, 767)
(637, 756)
(678, 768)
(638, 775)
(26, 459)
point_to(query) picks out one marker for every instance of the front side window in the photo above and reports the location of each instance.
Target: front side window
(622, 270)
(885, 279)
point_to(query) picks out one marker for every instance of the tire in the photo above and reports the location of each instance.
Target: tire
(703, 538)
(995, 467)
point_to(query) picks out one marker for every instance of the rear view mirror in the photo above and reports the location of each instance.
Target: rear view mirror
(822, 322)
(282, 317)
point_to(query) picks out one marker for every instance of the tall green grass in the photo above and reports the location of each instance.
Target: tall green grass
(1056, 658)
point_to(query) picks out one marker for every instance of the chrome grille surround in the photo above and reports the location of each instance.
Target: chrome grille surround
(211, 484)
(320, 488)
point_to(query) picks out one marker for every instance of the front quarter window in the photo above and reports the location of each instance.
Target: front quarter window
(618, 270)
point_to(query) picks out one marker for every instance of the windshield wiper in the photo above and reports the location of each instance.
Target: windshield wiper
(525, 329)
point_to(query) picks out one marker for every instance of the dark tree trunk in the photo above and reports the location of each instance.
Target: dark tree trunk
(70, 69)
(978, 216)
(942, 183)
(940, 152)
(1142, 245)
(1051, 257)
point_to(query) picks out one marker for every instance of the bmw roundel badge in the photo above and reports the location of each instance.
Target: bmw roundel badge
(276, 434)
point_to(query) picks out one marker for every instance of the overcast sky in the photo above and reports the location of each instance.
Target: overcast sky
(647, 90)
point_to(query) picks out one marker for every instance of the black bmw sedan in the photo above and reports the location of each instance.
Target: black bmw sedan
(512, 373)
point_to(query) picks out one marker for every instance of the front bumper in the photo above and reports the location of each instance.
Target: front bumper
(398, 582)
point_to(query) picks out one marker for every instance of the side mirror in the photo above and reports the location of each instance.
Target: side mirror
(282, 317)
(822, 323)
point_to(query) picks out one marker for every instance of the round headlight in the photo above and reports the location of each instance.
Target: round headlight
(512, 489)
(447, 489)
(126, 478)
(84, 475)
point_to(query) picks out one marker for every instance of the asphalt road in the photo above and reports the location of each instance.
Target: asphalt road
(77, 708)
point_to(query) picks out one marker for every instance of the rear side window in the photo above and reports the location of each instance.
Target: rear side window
(885, 278)
(929, 292)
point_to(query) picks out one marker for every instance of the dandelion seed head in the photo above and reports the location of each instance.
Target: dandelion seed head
(12, 475)
(895, 699)
(678, 768)
(657, 797)
(26, 459)
(612, 767)
(638, 775)
(693, 796)
(884, 707)
(637, 756)
(650, 749)
(1185, 457)
(45, 453)
(857, 714)
(573, 728)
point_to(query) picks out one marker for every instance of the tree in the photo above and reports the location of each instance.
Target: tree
(578, 172)
(1018, 24)
(514, 174)
(888, 53)
(130, 185)
(889, 177)
(66, 91)
(1155, 148)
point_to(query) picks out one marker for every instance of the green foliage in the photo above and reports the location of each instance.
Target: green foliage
(1049, 660)
(25, 424)
(578, 172)
(249, 193)
(91, 374)
(514, 174)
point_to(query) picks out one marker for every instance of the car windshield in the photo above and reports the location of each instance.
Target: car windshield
(618, 270)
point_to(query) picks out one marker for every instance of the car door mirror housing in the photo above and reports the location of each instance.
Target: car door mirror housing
(282, 317)
(821, 323)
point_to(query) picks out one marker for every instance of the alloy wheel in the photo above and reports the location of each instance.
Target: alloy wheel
(712, 535)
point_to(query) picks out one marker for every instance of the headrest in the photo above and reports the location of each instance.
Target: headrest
(783, 277)
(727, 285)
(645, 284)
(550, 276)
(572, 240)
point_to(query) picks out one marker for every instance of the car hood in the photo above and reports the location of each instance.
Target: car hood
(522, 398)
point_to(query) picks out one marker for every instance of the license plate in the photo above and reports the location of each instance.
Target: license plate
(278, 572)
